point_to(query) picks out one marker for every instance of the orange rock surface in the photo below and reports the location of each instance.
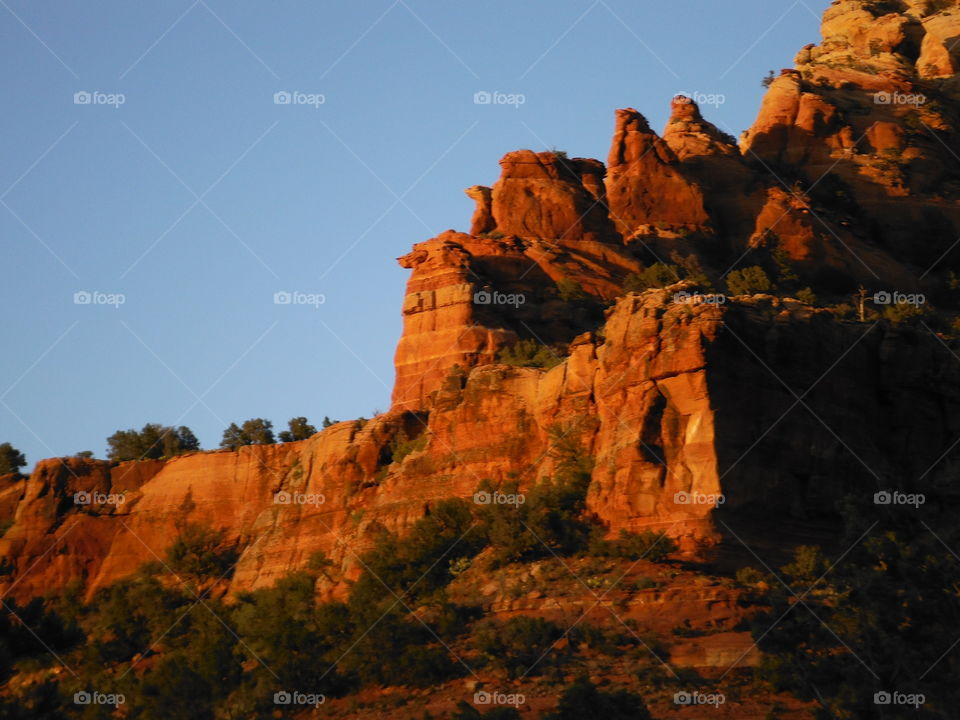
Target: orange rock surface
(679, 403)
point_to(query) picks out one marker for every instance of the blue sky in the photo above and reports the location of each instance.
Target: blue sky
(198, 198)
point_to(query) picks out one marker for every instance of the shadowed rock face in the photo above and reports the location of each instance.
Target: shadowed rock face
(778, 406)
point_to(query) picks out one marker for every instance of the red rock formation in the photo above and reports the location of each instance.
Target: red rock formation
(644, 184)
(543, 195)
(858, 118)
(658, 402)
(469, 297)
(482, 221)
(673, 399)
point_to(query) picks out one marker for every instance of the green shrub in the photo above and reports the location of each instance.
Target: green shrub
(297, 638)
(200, 551)
(748, 281)
(570, 290)
(387, 649)
(299, 429)
(551, 517)
(522, 645)
(657, 275)
(33, 631)
(255, 431)
(584, 700)
(750, 576)
(904, 313)
(529, 353)
(11, 459)
(648, 545)
(401, 445)
(152, 442)
(549, 521)
(418, 564)
(806, 295)
(130, 616)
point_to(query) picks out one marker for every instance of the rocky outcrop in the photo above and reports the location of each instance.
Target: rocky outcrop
(660, 402)
(645, 186)
(680, 403)
(545, 195)
(689, 136)
(859, 120)
(469, 297)
(482, 221)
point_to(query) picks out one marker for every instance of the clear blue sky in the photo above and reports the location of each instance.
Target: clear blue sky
(198, 198)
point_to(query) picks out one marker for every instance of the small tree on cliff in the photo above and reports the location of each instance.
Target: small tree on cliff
(255, 431)
(300, 429)
(749, 281)
(11, 459)
(154, 441)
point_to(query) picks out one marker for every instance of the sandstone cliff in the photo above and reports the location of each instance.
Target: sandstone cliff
(780, 407)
